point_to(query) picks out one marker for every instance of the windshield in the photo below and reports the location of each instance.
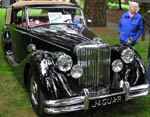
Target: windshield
(57, 16)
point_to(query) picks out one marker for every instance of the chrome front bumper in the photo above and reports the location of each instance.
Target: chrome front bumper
(82, 102)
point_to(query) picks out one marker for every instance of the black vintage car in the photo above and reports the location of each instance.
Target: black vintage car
(63, 64)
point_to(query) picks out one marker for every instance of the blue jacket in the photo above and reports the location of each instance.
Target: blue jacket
(130, 27)
(77, 22)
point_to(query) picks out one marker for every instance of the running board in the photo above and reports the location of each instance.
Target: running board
(11, 60)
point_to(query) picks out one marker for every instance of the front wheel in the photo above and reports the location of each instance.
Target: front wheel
(36, 95)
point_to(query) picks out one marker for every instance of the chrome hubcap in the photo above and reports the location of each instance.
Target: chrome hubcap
(34, 91)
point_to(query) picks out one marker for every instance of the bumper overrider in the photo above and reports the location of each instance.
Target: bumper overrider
(85, 102)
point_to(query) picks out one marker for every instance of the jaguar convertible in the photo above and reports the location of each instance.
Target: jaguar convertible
(66, 67)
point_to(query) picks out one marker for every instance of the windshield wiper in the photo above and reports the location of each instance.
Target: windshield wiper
(41, 25)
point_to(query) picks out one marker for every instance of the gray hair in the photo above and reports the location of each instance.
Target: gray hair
(133, 4)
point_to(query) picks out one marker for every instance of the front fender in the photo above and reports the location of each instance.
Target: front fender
(52, 82)
(133, 72)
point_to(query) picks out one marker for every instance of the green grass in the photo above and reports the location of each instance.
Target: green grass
(2, 18)
(14, 100)
(116, 6)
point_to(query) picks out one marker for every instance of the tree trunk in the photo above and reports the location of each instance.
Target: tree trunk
(96, 11)
(144, 11)
(119, 2)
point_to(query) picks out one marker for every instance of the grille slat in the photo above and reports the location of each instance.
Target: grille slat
(95, 61)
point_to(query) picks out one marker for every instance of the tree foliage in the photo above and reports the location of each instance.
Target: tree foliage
(117, 1)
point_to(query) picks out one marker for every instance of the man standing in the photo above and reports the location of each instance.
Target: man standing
(130, 26)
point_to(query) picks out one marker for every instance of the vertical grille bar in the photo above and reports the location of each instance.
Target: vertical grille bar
(95, 61)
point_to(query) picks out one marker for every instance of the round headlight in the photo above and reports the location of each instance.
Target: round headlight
(76, 71)
(64, 63)
(117, 65)
(127, 55)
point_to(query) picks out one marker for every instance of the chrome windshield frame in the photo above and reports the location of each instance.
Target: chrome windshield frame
(49, 7)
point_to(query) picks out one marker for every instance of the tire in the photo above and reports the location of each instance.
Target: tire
(6, 44)
(36, 95)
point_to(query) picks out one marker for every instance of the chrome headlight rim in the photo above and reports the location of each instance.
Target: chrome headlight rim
(64, 63)
(76, 71)
(127, 55)
(117, 65)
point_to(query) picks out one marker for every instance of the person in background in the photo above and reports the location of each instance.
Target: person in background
(78, 24)
(130, 26)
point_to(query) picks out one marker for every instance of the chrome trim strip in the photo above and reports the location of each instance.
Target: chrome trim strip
(138, 95)
(65, 102)
(61, 110)
(138, 91)
(141, 87)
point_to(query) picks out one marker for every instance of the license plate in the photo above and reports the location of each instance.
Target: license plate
(106, 101)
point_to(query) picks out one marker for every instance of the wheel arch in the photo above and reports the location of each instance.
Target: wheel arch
(26, 73)
(133, 72)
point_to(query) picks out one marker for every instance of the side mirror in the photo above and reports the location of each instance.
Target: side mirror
(31, 48)
(89, 22)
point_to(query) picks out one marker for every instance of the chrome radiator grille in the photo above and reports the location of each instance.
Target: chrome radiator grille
(95, 60)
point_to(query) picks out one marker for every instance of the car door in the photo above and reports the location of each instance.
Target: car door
(19, 36)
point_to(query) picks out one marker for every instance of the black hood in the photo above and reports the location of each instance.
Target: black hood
(67, 37)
